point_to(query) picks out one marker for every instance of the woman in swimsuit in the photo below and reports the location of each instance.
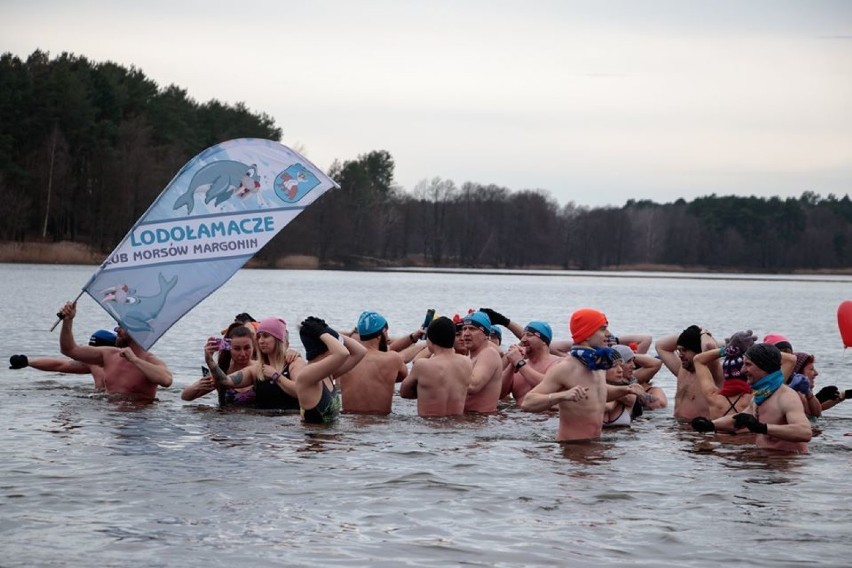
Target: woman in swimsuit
(271, 375)
(329, 355)
(235, 354)
(618, 411)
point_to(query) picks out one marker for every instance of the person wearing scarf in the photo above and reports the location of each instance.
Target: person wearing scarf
(578, 386)
(776, 414)
(735, 394)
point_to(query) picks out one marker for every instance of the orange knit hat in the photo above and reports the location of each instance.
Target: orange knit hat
(585, 322)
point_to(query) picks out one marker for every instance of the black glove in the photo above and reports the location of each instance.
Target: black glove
(744, 420)
(18, 362)
(496, 317)
(701, 424)
(847, 394)
(828, 393)
(313, 327)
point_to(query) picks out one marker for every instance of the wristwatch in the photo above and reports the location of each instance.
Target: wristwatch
(519, 364)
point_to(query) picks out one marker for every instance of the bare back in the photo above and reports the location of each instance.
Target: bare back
(368, 387)
(439, 383)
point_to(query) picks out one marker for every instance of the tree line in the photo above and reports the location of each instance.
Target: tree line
(86, 147)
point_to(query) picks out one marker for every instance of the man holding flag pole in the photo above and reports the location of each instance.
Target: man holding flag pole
(129, 370)
(220, 209)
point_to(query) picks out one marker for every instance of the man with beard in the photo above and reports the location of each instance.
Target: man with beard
(529, 360)
(776, 414)
(129, 370)
(368, 387)
(677, 353)
(483, 393)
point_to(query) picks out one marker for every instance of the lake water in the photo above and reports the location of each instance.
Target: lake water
(84, 481)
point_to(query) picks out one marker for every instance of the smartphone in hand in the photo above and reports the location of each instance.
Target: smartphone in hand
(430, 315)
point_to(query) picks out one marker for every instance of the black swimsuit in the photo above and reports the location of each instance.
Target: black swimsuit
(270, 395)
(733, 405)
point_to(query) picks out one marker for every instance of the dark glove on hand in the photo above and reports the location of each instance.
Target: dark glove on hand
(739, 343)
(701, 424)
(799, 383)
(313, 327)
(744, 420)
(828, 393)
(847, 394)
(18, 362)
(496, 317)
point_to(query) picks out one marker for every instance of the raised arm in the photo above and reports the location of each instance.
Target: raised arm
(499, 319)
(561, 347)
(646, 367)
(68, 346)
(702, 372)
(643, 342)
(666, 347)
(356, 353)
(318, 369)
(59, 365)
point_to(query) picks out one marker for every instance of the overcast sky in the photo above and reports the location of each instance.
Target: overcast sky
(595, 101)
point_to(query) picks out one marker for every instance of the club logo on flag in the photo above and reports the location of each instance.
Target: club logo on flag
(294, 183)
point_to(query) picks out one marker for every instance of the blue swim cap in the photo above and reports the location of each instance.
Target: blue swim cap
(541, 329)
(371, 324)
(103, 338)
(480, 320)
(495, 332)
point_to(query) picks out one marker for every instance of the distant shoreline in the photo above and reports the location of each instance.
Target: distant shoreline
(67, 252)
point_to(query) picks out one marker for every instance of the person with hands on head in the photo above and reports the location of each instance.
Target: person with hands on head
(776, 414)
(641, 369)
(627, 367)
(329, 356)
(677, 353)
(621, 395)
(734, 396)
(577, 384)
(129, 371)
(802, 381)
(100, 338)
(439, 382)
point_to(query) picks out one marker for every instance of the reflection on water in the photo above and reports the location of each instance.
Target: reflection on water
(113, 483)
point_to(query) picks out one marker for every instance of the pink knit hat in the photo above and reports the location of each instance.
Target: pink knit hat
(778, 341)
(276, 327)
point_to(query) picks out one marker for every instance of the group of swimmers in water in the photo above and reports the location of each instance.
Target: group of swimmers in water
(453, 366)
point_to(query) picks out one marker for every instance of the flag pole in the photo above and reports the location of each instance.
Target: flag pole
(59, 316)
